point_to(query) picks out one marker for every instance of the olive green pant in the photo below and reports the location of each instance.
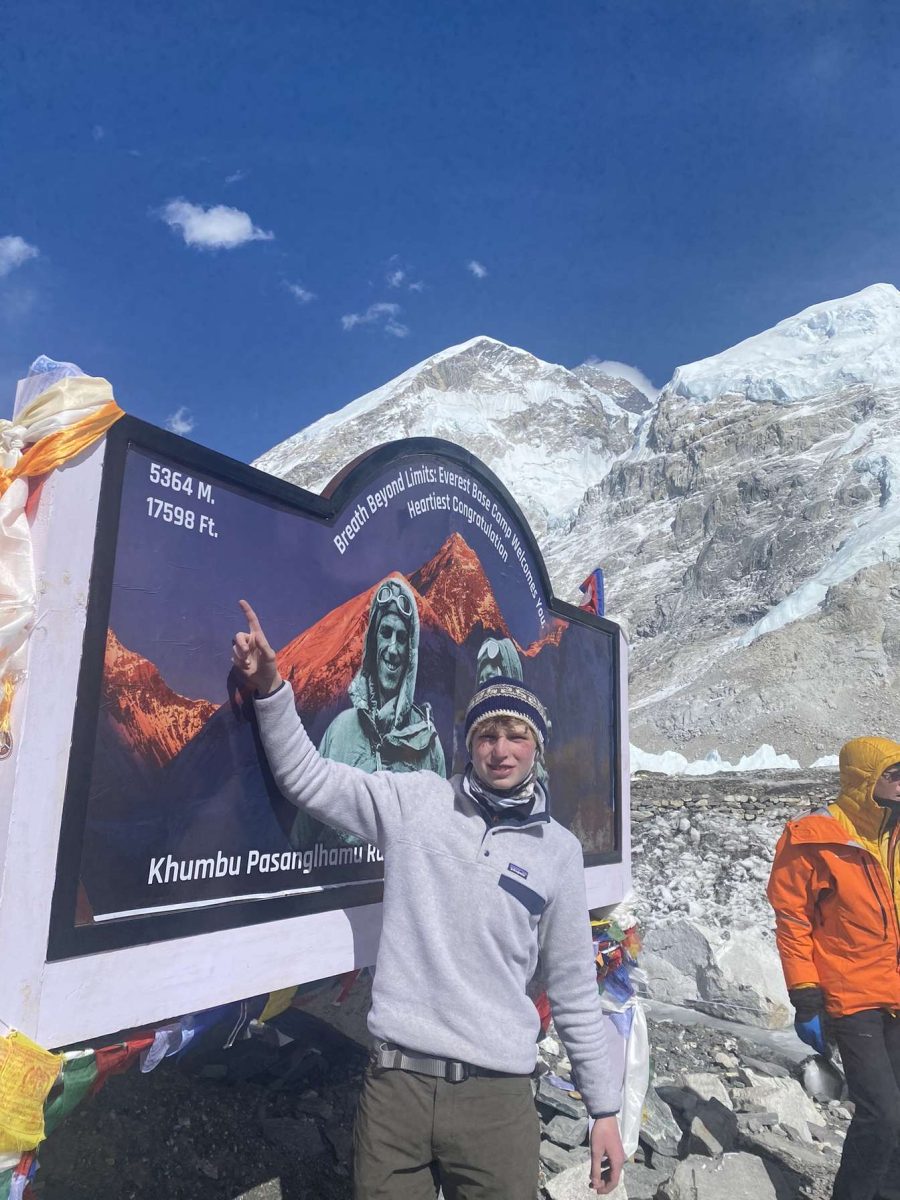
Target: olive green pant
(476, 1140)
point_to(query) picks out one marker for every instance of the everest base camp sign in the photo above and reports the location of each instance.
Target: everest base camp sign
(388, 599)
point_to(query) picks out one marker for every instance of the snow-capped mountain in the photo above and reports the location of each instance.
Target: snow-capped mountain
(520, 415)
(747, 518)
(844, 343)
(457, 589)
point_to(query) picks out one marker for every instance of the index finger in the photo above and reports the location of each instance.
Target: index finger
(251, 617)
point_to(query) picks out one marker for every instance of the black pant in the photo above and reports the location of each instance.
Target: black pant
(869, 1043)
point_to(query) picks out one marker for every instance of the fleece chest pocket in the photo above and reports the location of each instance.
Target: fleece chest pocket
(533, 901)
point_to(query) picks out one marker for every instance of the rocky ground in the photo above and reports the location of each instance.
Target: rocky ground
(702, 854)
(727, 1114)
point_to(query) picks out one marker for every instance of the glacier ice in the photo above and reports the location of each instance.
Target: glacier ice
(670, 762)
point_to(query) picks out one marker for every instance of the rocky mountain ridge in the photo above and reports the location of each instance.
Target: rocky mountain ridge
(746, 518)
(151, 720)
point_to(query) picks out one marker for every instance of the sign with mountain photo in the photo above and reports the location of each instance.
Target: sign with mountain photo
(414, 577)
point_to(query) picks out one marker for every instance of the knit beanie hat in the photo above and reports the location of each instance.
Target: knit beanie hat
(501, 696)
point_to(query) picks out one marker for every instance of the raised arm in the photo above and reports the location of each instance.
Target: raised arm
(367, 805)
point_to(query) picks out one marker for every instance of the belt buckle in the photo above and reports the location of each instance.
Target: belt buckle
(456, 1072)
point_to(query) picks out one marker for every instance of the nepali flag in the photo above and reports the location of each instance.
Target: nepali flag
(592, 589)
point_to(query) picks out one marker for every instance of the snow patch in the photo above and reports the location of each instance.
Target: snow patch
(827, 760)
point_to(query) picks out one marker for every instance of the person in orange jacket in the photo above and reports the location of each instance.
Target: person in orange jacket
(835, 889)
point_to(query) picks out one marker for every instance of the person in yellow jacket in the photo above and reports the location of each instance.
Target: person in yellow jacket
(835, 889)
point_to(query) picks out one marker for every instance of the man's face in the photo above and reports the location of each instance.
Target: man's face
(391, 654)
(503, 757)
(486, 671)
(888, 785)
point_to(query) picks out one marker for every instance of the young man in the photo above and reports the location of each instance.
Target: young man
(835, 888)
(478, 880)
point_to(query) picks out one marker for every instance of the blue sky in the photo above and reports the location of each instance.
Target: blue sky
(641, 180)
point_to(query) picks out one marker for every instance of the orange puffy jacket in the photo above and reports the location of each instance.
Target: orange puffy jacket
(835, 888)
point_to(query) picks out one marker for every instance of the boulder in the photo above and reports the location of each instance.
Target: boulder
(766, 1067)
(714, 1130)
(799, 1163)
(734, 974)
(744, 982)
(756, 1122)
(785, 1097)
(732, 1177)
(567, 1131)
(672, 952)
(829, 1137)
(707, 1086)
(682, 1101)
(557, 1158)
(642, 1182)
(558, 1100)
(659, 1129)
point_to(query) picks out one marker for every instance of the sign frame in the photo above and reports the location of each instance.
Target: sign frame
(60, 993)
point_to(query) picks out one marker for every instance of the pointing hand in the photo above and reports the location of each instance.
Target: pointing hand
(252, 655)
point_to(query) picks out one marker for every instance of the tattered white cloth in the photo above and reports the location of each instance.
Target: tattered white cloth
(50, 429)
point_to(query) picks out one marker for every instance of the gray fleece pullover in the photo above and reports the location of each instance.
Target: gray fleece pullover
(468, 906)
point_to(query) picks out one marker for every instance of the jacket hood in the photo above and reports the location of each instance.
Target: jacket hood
(498, 656)
(363, 690)
(861, 762)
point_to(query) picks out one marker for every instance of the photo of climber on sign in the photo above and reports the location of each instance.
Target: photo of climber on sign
(384, 730)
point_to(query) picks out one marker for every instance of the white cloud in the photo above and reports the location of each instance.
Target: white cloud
(382, 314)
(620, 370)
(399, 274)
(301, 294)
(216, 228)
(98, 133)
(479, 270)
(14, 251)
(236, 177)
(181, 421)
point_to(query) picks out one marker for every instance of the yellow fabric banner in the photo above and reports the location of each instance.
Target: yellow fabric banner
(27, 1073)
(278, 1002)
(57, 448)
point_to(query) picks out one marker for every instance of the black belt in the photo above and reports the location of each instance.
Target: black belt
(387, 1054)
